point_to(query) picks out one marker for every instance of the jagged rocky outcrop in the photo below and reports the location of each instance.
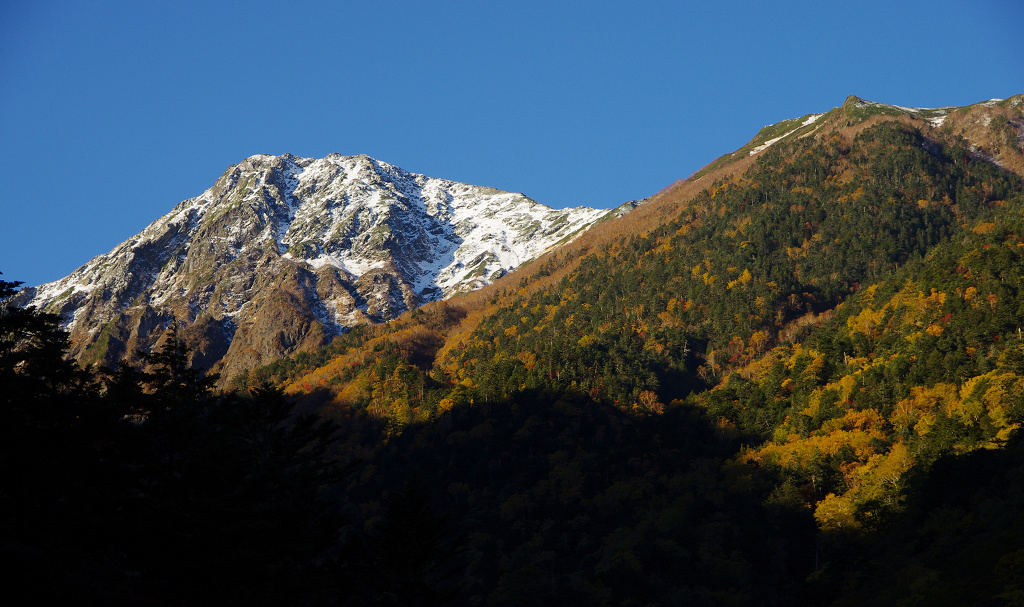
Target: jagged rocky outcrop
(282, 253)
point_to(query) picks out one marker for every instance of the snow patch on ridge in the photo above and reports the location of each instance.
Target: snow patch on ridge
(764, 146)
(811, 119)
(355, 267)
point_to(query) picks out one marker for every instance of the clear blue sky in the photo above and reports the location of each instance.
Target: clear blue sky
(113, 112)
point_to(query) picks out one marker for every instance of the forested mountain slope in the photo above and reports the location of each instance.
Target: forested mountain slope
(840, 296)
(794, 378)
(736, 268)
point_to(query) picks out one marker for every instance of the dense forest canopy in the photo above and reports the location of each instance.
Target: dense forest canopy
(800, 382)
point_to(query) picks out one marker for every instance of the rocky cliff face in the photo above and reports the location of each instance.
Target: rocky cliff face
(283, 253)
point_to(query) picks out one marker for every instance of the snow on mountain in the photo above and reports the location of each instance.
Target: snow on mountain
(282, 253)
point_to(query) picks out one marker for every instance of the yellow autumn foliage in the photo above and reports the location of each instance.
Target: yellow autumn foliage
(991, 394)
(856, 430)
(529, 359)
(917, 412)
(836, 512)
(865, 322)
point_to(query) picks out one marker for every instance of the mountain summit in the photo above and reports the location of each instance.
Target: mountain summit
(283, 253)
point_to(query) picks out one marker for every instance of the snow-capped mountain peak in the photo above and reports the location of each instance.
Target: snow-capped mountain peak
(283, 252)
